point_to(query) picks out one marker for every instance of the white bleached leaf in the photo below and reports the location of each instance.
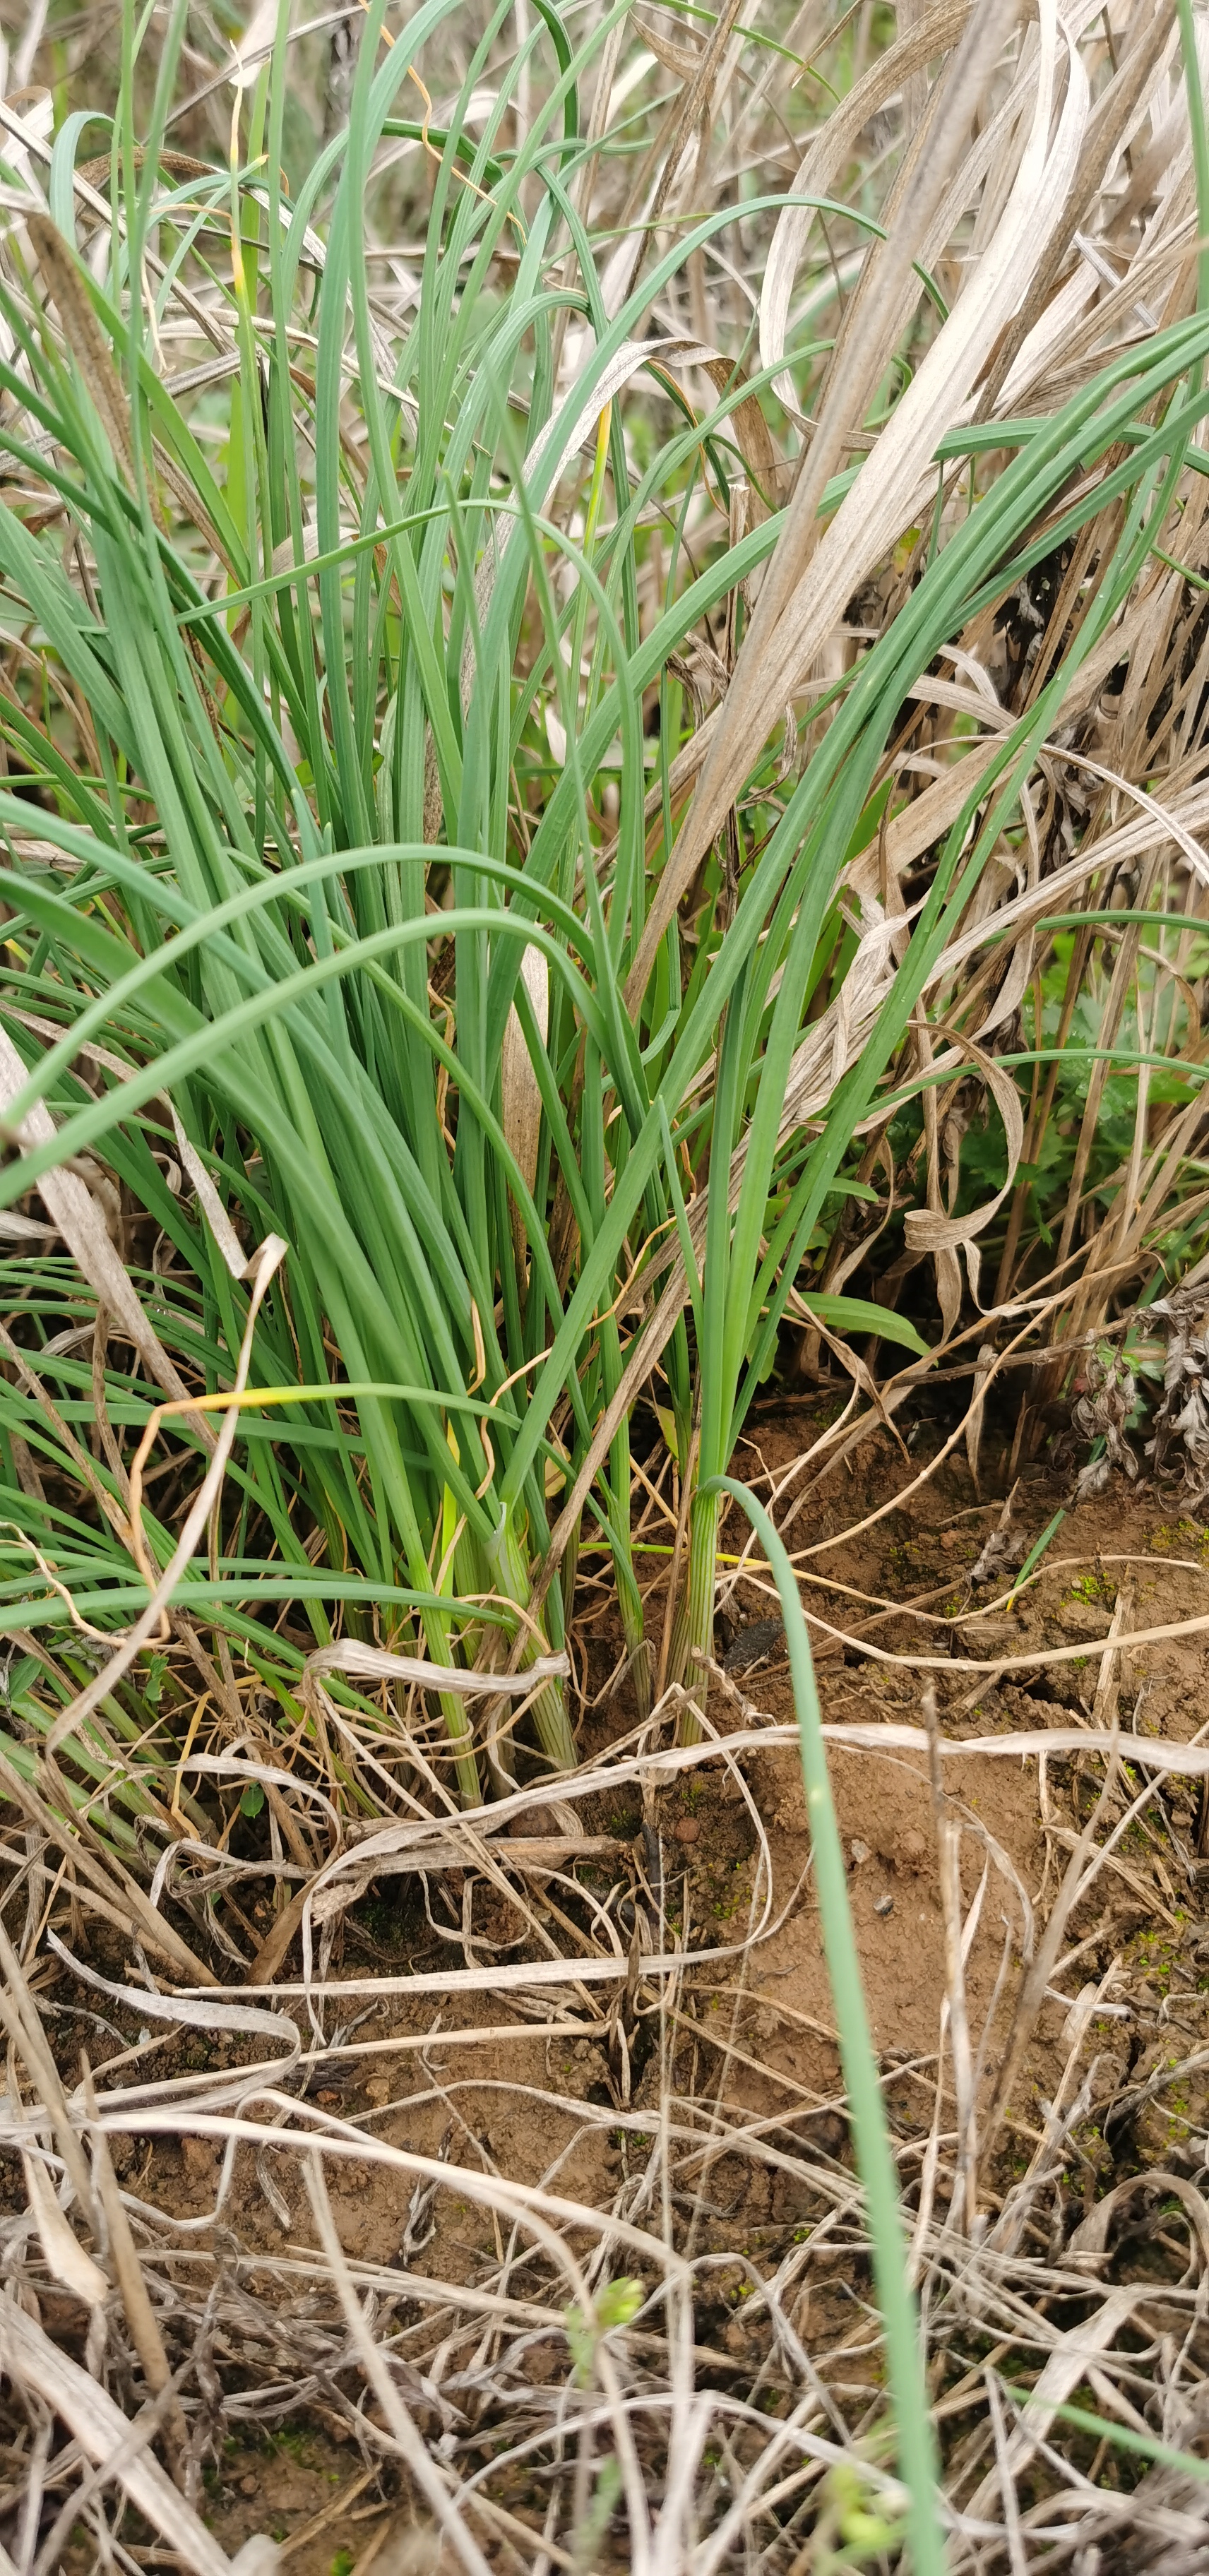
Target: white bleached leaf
(64, 2255)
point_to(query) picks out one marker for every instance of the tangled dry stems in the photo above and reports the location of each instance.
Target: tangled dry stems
(433, 2380)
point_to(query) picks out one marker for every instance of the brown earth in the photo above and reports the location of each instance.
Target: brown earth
(551, 2105)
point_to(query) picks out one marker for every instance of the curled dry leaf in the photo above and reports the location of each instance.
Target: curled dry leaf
(1183, 1414)
(1003, 1552)
(1102, 1413)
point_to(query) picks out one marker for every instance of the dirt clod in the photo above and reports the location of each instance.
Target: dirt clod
(1083, 1618)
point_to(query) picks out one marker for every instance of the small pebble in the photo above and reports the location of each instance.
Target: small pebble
(884, 1905)
(687, 1829)
(859, 1851)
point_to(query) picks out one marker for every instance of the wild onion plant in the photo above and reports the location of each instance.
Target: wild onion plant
(349, 893)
